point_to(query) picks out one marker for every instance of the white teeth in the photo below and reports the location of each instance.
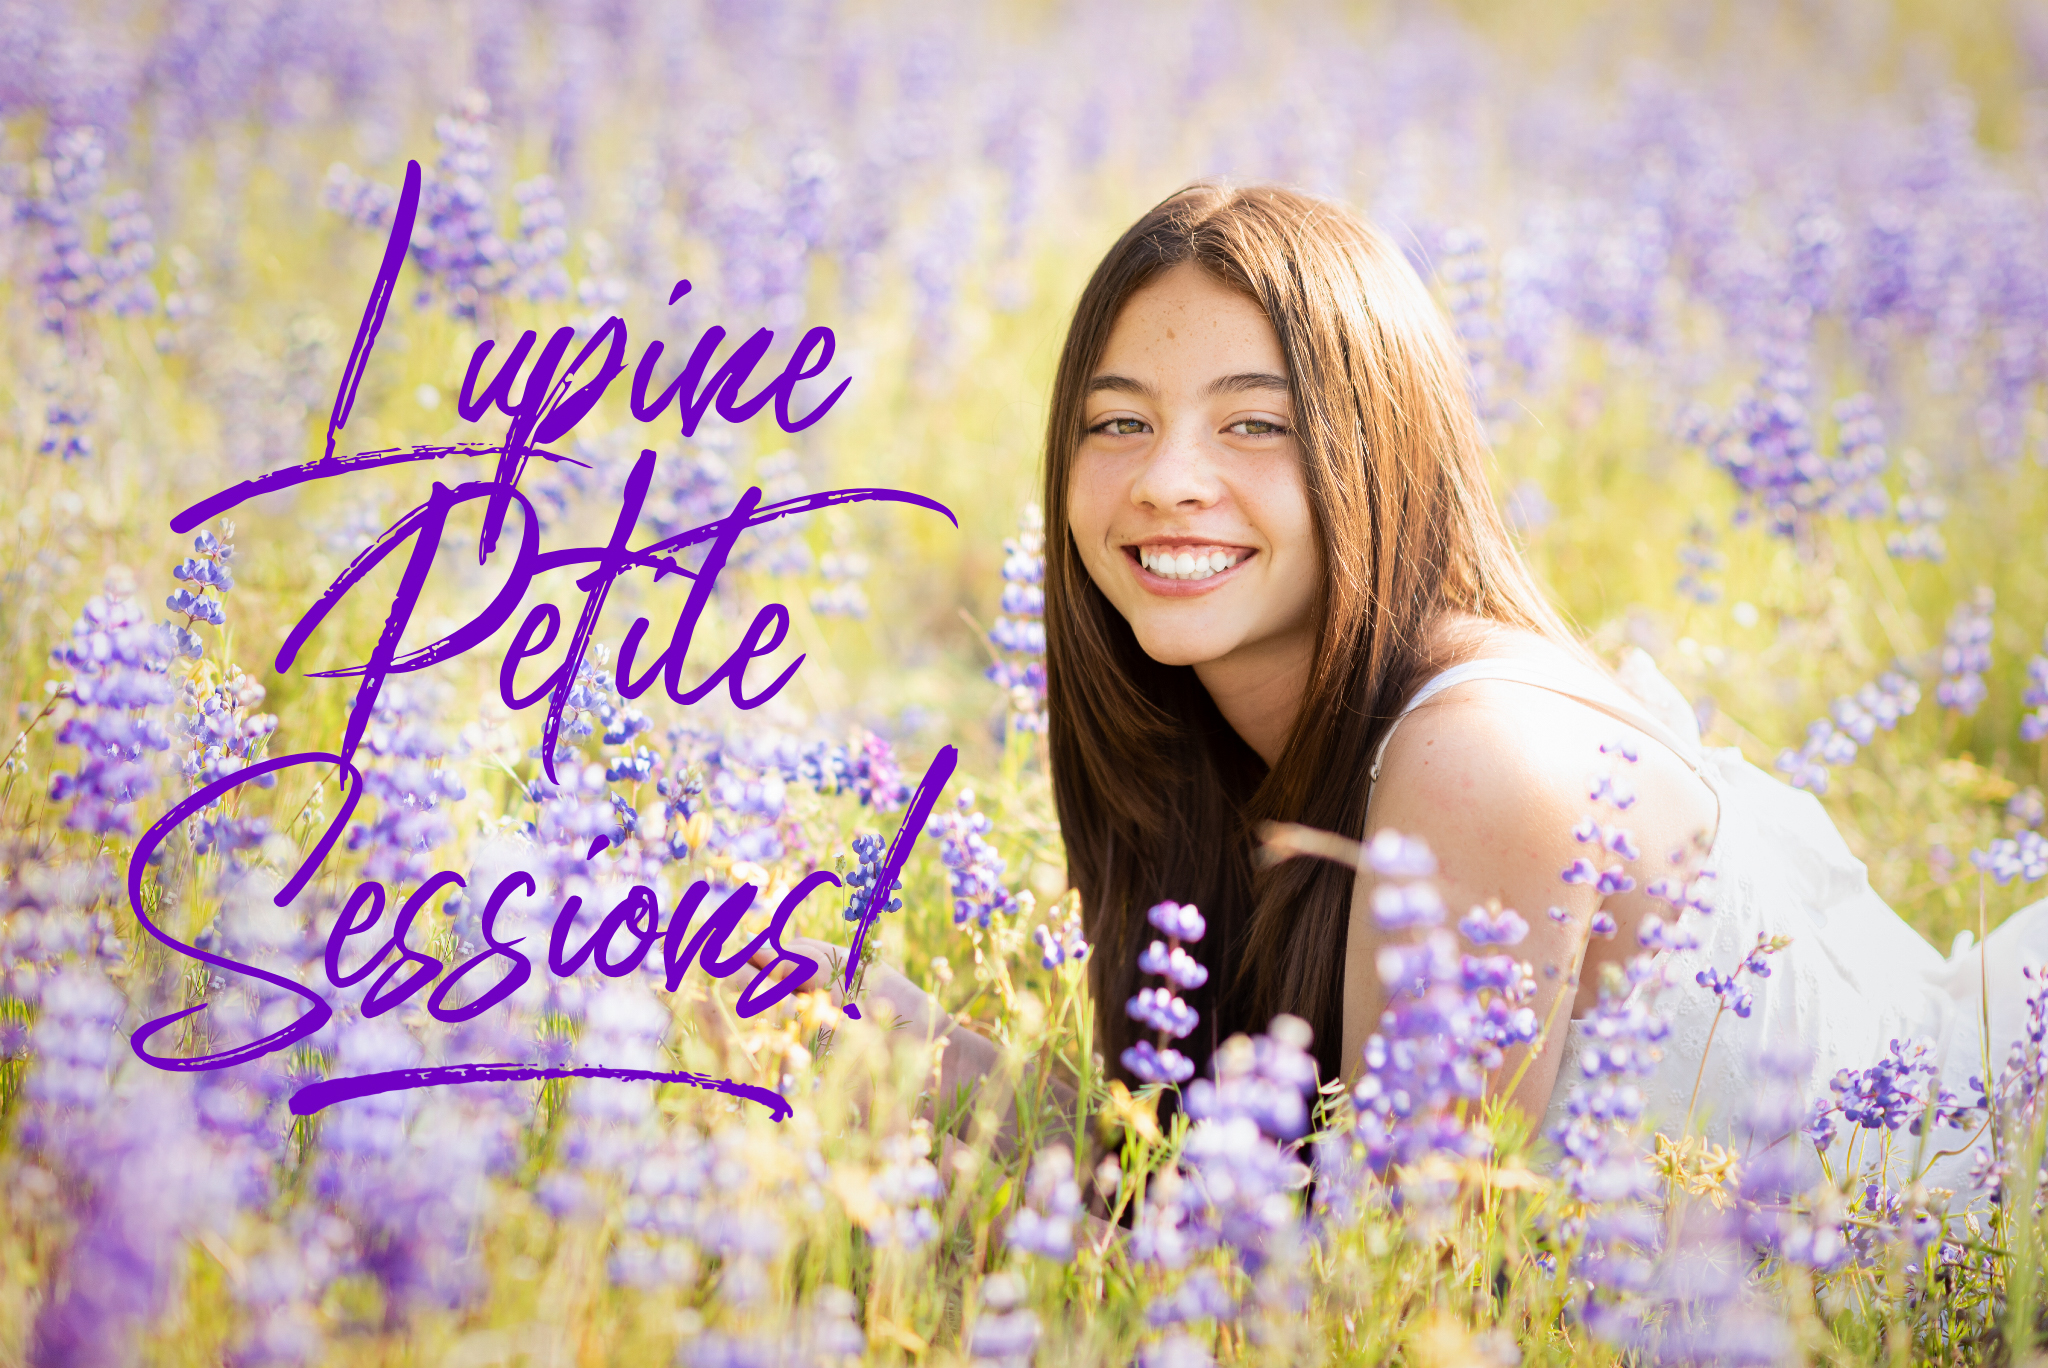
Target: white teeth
(1187, 565)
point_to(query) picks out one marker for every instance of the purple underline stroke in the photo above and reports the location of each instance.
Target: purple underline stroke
(318, 1096)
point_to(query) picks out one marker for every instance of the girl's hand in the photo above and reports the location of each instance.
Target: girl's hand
(885, 991)
(887, 999)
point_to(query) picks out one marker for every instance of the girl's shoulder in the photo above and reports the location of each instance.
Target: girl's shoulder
(1509, 746)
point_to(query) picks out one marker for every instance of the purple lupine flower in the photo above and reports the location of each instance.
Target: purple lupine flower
(455, 239)
(1235, 1191)
(1776, 1175)
(455, 243)
(221, 729)
(1180, 921)
(1614, 791)
(2034, 726)
(1881, 1216)
(612, 1135)
(1966, 654)
(1177, 1350)
(1234, 1187)
(1603, 1167)
(1065, 945)
(2017, 1099)
(282, 1291)
(1727, 988)
(142, 1176)
(681, 797)
(1468, 291)
(1266, 1078)
(1394, 856)
(1019, 631)
(1700, 559)
(1707, 1308)
(1180, 969)
(120, 666)
(52, 919)
(905, 1186)
(1007, 1332)
(543, 238)
(1402, 906)
(1044, 1225)
(827, 1331)
(131, 252)
(1165, 1013)
(67, 424)
(1860, 460)
(1201, 1296)
(1765, 442)
(1150, 1063)
(974, 871)
(69, 280)
(2024, 858)
(1448, 1020)
(211, 577)
(868, 852)
(362, 201)
(411, 781)
(1920, 511)
(1903, 1089)
(73, 1042)
(664, 1186)
(877, 779)
(1852, 721)
(1169, 1017)
(422, 1249)
(1657, 934)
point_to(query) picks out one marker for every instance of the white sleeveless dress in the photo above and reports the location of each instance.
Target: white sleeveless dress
(1855, 976)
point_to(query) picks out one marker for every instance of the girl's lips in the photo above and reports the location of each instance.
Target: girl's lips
(1180, 588)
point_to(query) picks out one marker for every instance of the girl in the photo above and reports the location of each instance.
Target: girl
(1278, 588)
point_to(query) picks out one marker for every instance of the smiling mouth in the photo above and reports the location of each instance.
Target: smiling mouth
(1187, 562)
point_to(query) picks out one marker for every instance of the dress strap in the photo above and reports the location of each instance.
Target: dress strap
(1610, 699)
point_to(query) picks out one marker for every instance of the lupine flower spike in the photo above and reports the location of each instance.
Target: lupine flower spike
(1852, 721)
(1966, 654)
(1020, 630)
(1161, 1007)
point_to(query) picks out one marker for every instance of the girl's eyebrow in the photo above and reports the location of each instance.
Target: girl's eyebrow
(1250, 380)
(1119, 384)
(1222, 384)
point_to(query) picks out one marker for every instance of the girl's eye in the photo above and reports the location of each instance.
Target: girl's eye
(1119, 427)
(1258, 427)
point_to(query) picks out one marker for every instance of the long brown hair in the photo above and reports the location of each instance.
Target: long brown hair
(1157, 797)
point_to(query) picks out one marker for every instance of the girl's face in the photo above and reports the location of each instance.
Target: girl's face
(1186, 499)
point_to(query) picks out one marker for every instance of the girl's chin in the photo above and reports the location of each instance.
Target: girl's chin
(1180, 650)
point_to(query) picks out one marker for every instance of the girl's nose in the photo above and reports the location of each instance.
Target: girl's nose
(1178, 474)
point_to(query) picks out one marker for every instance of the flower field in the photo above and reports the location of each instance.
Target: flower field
(1756, 303)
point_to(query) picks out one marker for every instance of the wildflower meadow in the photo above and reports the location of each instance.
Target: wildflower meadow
(382, 848)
